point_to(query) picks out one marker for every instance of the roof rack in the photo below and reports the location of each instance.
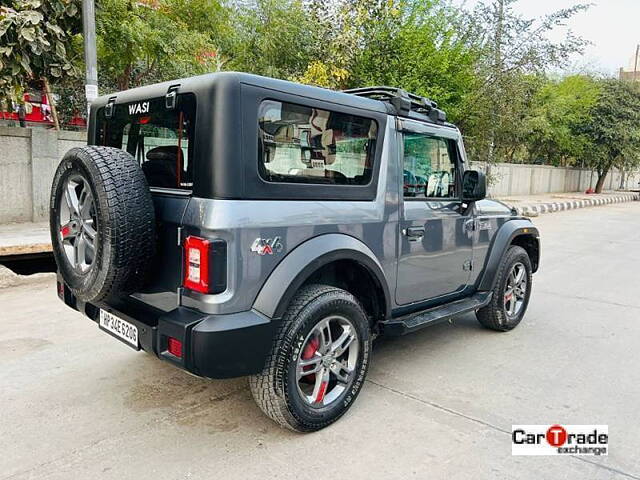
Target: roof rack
(403, 101)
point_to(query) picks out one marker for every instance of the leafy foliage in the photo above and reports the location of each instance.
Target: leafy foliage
(141, 42)
(558, 110)
(273, 38)
(426, 47)
(36, 42)
(488, 68)
(613, 129)
(516, 53)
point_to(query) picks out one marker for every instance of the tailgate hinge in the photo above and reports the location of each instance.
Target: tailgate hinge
(170, 99)
(109, 107)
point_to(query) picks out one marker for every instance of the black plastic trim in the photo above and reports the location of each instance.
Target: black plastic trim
(233, 345)
(213, 346)
(285, 280)
(217, 266)
(499, 245)
(325, 259)
(418, 320)
(423, 305)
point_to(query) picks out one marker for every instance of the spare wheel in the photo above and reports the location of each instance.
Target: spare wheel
(102, 223)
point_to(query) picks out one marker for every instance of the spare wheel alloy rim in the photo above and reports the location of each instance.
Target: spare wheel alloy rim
(78, 225)
(326, 365)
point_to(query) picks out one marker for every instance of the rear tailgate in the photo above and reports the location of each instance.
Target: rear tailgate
(165, 275)
(160, 135)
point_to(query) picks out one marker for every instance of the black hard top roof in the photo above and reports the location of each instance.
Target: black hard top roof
(202, 84)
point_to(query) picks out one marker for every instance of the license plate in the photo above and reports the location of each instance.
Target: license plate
(122, 329)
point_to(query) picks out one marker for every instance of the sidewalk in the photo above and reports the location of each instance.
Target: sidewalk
(534, 205)
(24, 238)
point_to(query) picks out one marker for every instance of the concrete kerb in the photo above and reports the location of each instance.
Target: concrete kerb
(533, 210)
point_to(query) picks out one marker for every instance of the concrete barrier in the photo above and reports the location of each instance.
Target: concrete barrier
(29, 157)
(28, 160)
(515, 179)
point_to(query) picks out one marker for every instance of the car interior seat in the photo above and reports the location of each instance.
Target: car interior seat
(161, 166)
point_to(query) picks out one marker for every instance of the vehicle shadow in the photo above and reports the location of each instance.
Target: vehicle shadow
(210, 406)
(173, 398)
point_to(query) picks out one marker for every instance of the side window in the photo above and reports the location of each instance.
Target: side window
(300, 144)
(429, 166)
(158, 138)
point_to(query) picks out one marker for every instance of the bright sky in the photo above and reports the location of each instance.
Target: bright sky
(612, 26)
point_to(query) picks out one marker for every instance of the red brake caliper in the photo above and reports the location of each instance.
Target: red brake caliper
(321, 392)
(309, 351)
(65, 231)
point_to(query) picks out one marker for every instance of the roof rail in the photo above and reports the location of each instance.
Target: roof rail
(403, 101)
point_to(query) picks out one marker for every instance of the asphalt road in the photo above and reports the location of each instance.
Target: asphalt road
(75, 403)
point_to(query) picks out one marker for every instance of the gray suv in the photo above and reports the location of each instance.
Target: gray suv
(237, 225)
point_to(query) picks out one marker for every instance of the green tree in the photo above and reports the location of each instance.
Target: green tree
(142, 42)
(37, 40)
(426, 47)
(515, 50)
(499, 131)
(613, 129)
(335, 41)
(273, 38)
(558, 109)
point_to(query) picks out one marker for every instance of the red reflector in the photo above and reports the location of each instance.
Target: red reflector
(60, 290)
(196, 268)
(174, 347)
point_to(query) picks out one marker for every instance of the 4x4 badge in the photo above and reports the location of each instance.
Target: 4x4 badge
(267, 246)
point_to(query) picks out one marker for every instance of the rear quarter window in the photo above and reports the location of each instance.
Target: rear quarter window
(301, 144)
(160, 139)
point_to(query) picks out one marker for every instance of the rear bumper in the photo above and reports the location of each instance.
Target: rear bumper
(213, 346)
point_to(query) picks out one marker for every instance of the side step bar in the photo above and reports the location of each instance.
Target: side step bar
(418, 320)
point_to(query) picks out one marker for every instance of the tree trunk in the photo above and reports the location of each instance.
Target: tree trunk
(52, 104)
(124, 78)
(601, 178)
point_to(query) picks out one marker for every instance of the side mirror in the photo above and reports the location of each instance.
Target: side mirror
(474, 186)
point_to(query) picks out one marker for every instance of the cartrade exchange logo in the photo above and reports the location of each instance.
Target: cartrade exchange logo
(560, 440)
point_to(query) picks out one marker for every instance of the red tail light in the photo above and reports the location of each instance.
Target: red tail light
(196, 271)
(174, 347)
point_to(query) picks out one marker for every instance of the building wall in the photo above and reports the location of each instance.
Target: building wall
(28, 160)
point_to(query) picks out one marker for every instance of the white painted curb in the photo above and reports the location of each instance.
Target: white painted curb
(536, 209)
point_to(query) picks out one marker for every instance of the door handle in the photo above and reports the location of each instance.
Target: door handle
(414, 232)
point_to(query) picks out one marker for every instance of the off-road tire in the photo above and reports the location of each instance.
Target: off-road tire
(275, 390)
(125, 223)
(494, 316)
